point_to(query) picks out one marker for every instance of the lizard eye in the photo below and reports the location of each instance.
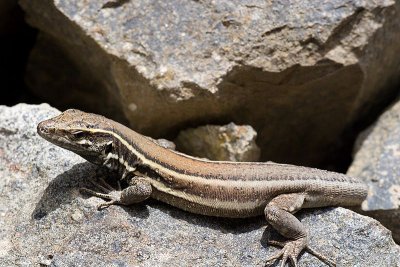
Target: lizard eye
(78, 134)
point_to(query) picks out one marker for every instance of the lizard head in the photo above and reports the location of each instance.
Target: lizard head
(79, 132)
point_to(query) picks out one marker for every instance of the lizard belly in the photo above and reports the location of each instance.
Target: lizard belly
(200, 204)
(211, 207)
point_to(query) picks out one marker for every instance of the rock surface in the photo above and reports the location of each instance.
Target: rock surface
(377, 162)
(229, 142)
(45, 220)
(284, 68)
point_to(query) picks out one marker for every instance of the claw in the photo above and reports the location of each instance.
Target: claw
(113, 197)
(275, 256)
(284, 259)
(293, 260)
(107, 204)
(291, 250)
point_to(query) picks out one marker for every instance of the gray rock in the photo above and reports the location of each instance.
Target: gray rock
(286, 69)
(45, 220)
(165, 143)
(377, 162)
(229, 142)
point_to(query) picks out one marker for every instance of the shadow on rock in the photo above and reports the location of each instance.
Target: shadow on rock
(225, 225)
(63, 188)
(138, 210)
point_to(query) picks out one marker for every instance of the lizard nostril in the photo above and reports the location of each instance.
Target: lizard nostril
(40, 127)
(44, 127)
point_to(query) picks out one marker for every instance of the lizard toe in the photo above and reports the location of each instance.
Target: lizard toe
(114, 197)
(290, 250)
(275, 256)
(107, 204)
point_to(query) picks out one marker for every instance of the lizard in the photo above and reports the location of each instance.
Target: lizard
(201, 186)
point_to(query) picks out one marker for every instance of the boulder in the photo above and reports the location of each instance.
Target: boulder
(46, 221)
(377, 162)
(229, 142)
(299, 73)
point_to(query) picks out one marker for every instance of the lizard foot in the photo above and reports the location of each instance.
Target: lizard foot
(108, 192)
(291, 250)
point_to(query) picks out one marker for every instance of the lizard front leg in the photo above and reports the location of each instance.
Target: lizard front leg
(139, 189)
(279, 214)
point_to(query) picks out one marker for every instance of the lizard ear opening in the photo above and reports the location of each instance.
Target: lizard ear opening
(108, 148)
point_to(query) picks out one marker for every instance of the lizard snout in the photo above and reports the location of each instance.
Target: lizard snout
(45, 128)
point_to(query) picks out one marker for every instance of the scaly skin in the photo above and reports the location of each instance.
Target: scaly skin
(214, 188)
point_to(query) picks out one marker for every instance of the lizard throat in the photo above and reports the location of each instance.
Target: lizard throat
(117, 163)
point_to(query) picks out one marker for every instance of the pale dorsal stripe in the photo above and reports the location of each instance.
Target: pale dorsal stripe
(260, 184)
(268, 187)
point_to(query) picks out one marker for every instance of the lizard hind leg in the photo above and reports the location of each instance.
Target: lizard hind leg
(279, 214)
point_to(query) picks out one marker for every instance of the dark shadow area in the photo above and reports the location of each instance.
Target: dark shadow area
(60, 189)
(340, 155)
(16, 41)
(224, 225)
(65, 188)
(139, 210)
(115, 4)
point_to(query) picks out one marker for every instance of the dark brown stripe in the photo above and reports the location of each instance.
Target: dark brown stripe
(223, 170)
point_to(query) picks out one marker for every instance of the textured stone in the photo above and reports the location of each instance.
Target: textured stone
(298, 72)
(377, 162)
(229, 142)
(165, 143)
(45, 220)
